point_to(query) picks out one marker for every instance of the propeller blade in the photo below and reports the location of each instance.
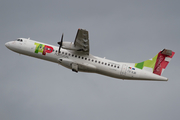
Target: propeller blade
(62, 39)
(60, 43)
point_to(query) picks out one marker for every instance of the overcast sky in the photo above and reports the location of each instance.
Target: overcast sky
(120, 30)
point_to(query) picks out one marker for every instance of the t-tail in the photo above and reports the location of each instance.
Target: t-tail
(158, 63)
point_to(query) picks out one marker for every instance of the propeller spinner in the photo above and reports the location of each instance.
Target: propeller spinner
(60, 43)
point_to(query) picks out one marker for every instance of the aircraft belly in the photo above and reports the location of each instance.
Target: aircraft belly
(111, 72)
(143, 75)
(85, 67)
(116, 72)
(77, 66)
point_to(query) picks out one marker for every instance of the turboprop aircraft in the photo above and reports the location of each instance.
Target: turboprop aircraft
(75, 56)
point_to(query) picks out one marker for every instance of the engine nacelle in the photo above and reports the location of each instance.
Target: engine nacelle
(69, 46)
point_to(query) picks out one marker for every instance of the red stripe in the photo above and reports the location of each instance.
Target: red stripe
(161, 63)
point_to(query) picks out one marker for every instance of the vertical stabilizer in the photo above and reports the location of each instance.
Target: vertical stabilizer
(163, 60)
(158, 63)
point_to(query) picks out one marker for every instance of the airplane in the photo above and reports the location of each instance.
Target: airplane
(75, 56)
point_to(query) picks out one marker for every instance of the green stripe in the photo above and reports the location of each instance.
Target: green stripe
(139, 65)
(147, 63)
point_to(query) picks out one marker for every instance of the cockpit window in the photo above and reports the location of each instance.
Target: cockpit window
(19, 40)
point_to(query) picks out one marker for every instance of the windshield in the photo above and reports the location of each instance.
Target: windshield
(19, 40)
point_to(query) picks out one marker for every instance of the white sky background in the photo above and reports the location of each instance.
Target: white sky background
(121, 30)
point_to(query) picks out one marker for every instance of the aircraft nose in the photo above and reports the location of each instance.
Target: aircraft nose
(7, 44)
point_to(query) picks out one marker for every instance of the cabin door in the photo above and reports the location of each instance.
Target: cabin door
(123, 69)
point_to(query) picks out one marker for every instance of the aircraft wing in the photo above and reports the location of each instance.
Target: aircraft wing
(82, 41)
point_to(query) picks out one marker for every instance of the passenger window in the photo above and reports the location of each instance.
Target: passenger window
(72, 55)
(69, 54)
(62, 52)
(111, 65)
(88, 59)
(75, 55)
(105, 63)
(117, 66)
(108, 64)
(102, 63)
(85, 58)
(95, 60)
(92, 60)
(99, 62)
(79, 57)
(65, 53)
(82, 57)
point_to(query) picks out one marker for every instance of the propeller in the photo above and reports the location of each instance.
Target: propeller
(60, 43)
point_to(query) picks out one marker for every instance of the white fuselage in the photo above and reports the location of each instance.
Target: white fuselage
(77, 61)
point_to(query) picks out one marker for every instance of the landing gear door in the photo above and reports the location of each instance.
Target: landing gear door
(123, 69)
(74, 67)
